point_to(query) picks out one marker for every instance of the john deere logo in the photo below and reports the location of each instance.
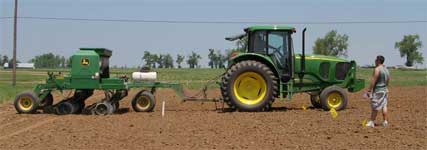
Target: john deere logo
(85, 62)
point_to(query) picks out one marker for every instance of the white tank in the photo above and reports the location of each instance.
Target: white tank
(144, 76)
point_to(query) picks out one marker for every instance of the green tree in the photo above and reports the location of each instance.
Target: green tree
(48, 60)
(68, 62)
(63, 62)
(148, 58)
(168, 61)
(179, 60)
(408, 48)
(220, 59)
(193, 59)
(216, 59)
(333, 44)
(155, 59)
(57, 61)
(160, 60)
(212, 58)
(5, 59)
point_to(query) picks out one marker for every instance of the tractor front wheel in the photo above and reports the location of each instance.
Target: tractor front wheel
(333, 97)
(249, 86)
(26, 103)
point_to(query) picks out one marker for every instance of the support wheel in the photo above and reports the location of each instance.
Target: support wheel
(26, 103)
(103, 108)
(66, 108)
(333, 97)
(315, 101)
(249, 86)
(143, 102)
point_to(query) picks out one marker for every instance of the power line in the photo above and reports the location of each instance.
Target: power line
(216, 22)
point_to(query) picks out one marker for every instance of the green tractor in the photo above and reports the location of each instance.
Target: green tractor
(268, 69)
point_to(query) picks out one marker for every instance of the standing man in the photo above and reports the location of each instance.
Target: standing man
(379, 95)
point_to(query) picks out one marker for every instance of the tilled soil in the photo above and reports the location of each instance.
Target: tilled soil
(193, 125)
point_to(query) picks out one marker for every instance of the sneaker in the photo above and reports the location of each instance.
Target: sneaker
(370, 124)
(385, 123)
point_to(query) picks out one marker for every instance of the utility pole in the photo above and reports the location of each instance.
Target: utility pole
(14, 43)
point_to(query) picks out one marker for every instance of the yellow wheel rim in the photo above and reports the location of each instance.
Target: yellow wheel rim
(25, 103)
(334, 100)
(250, 88)
(143, 102)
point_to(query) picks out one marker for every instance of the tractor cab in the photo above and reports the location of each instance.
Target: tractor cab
(274, 42)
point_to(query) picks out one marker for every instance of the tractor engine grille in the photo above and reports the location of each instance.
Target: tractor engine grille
(341, 70)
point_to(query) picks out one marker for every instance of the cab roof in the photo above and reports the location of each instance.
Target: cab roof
(269, 27)
(100, 51)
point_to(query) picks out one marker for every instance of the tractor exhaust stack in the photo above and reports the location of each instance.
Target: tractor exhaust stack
(303, 52)
(302, 72)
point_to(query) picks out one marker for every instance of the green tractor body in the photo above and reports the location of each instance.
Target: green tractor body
(270, 55)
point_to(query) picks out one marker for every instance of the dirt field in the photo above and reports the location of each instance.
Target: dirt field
(194, 125)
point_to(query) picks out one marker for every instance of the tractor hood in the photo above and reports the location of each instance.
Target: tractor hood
(321, 57)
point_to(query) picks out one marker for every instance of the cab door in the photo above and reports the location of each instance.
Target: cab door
(278, 48)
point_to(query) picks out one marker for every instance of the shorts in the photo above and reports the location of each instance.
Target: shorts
(379, 100)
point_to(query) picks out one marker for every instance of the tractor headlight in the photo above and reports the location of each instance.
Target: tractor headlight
(96, 76)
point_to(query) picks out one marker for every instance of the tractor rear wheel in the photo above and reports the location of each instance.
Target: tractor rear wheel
(333, 97)
(26, 103)
(249, 86)
(144, 101)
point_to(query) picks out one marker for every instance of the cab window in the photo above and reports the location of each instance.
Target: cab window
(278, 46)
(258, 42)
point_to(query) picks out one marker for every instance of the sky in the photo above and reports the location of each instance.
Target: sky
(129, 40)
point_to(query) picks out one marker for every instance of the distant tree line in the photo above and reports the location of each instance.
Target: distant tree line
(167, 61)
(334, 44)
(5, 59)
(50, 60)
(216, 59)
(157, 60)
